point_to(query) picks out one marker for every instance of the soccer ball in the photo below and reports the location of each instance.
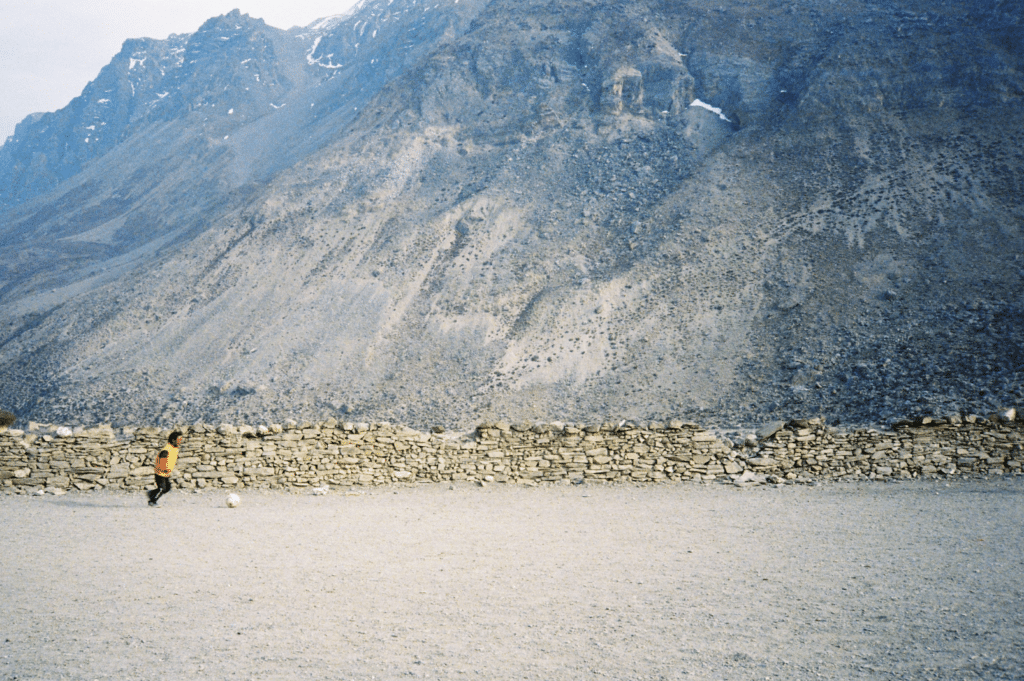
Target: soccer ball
(233, 500)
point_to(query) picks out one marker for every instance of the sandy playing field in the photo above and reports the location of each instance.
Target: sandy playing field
(910, 580)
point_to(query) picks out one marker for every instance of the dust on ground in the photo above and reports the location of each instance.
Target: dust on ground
(909, 580)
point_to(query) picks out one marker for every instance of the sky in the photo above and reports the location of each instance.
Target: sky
(50, 49)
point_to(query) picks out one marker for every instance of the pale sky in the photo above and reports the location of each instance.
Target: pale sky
(50, 49)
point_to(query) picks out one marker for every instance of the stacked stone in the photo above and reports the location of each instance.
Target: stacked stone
(993, 445)
(79, 459)
(297, 456)
(924, 447)
(84, 459)
(381, 454)
(559, 452)
(304, 455)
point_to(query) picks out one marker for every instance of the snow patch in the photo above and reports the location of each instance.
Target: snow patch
(319, 61)
(326, 22)
(309, 55)
(335, 19)
(136, 62)
(712, 109)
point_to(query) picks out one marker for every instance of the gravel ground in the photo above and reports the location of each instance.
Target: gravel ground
(909, 580)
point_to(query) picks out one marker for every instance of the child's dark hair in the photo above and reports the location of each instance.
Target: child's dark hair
(173, 437)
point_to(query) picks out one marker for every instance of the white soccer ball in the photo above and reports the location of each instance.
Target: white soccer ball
(233, 500)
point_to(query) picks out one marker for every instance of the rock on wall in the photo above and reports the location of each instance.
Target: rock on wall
(296, 456)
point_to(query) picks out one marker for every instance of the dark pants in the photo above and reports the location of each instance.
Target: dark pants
(163, 486)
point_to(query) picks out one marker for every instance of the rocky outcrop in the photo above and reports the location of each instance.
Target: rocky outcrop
(582, 210)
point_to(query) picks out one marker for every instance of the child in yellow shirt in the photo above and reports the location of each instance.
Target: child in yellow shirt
(165, 461)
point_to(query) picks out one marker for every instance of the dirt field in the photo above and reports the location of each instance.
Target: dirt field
(910, 580)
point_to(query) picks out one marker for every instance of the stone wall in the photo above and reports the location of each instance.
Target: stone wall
(295, 456)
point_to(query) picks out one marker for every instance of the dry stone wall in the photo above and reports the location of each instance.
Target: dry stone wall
(296, 456)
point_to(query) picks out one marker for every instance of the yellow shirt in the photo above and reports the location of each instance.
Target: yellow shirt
(165, 460)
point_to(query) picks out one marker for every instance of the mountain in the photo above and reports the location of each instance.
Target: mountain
(581, 210)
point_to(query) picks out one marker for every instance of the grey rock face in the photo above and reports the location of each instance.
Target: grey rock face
(587, 211)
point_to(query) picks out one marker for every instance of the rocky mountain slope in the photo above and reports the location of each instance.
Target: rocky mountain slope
(578, 210)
